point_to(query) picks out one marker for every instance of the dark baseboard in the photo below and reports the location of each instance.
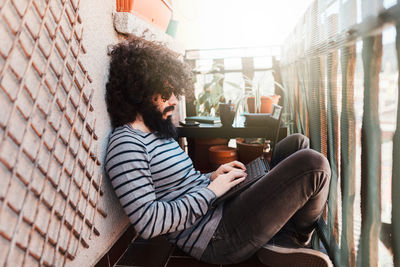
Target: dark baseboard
(118, 249)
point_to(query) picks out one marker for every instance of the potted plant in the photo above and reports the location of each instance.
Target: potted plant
(267, 101)
(251, 148)
(207, 104)
(256, 102)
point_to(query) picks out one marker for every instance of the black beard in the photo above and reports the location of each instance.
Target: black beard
(154, 120)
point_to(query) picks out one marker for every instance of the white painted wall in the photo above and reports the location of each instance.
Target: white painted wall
(98, 19)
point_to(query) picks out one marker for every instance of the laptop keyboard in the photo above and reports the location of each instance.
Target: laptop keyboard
(254, 169)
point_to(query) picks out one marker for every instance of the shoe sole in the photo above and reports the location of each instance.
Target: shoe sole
(275, 256)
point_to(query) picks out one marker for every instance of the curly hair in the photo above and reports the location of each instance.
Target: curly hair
(139, 69)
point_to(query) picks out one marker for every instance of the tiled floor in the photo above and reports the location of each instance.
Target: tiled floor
(159, 253)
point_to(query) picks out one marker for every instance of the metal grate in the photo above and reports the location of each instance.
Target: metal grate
(338, 71)
(50, 176)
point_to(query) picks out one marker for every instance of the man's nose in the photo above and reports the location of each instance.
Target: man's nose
(173, 100)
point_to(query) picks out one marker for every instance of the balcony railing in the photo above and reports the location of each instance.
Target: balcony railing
(339, 69)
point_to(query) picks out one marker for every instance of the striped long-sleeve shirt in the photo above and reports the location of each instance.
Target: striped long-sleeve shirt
(160, 190)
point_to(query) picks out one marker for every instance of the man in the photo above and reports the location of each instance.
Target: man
(163, 194)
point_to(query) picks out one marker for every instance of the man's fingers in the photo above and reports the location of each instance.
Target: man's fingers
(235, 173)
(237, 181)
(227, 168)
(237, 164)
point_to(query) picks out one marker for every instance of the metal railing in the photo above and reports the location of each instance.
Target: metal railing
(343, 97)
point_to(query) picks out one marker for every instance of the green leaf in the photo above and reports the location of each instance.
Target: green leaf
(218, 76)
(217, 66)
(207, 106)
(207, 86)
(203, 97)
(235, 85)
(280, 86)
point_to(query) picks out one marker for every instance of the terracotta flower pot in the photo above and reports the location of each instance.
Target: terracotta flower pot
(219, 155)
(248, 152)
(201, 154)
(156, 12)
(267, 101)
(251, 104)
(125, 5)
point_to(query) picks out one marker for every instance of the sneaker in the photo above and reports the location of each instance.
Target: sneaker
(275, 256)
(290, 239)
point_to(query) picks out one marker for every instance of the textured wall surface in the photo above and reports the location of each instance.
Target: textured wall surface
(54, 209)
(56, 205)
(97, 20)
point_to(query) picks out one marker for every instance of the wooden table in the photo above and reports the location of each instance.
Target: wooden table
(211, 131)
(219, 131)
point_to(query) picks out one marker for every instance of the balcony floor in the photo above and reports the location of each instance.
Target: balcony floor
(159, 253)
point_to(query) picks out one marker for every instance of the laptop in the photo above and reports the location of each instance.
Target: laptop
(255, 170)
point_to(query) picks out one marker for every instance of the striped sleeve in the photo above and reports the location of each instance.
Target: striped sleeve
(208, 175)
(127, 166)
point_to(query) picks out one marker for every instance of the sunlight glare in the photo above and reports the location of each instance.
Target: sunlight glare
(233, 23)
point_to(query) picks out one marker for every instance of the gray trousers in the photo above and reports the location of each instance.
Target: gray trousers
(292, 195)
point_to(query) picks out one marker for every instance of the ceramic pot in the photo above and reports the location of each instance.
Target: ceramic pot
(156, 12)
(124, 5)
(251, 104)
(267, 101)
(248, 152)
(201, 154)
(219, 155)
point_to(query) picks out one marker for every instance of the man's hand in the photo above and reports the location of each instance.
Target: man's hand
(224, 168)
(223, 182)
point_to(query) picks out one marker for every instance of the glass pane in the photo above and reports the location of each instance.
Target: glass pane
(233, 63)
